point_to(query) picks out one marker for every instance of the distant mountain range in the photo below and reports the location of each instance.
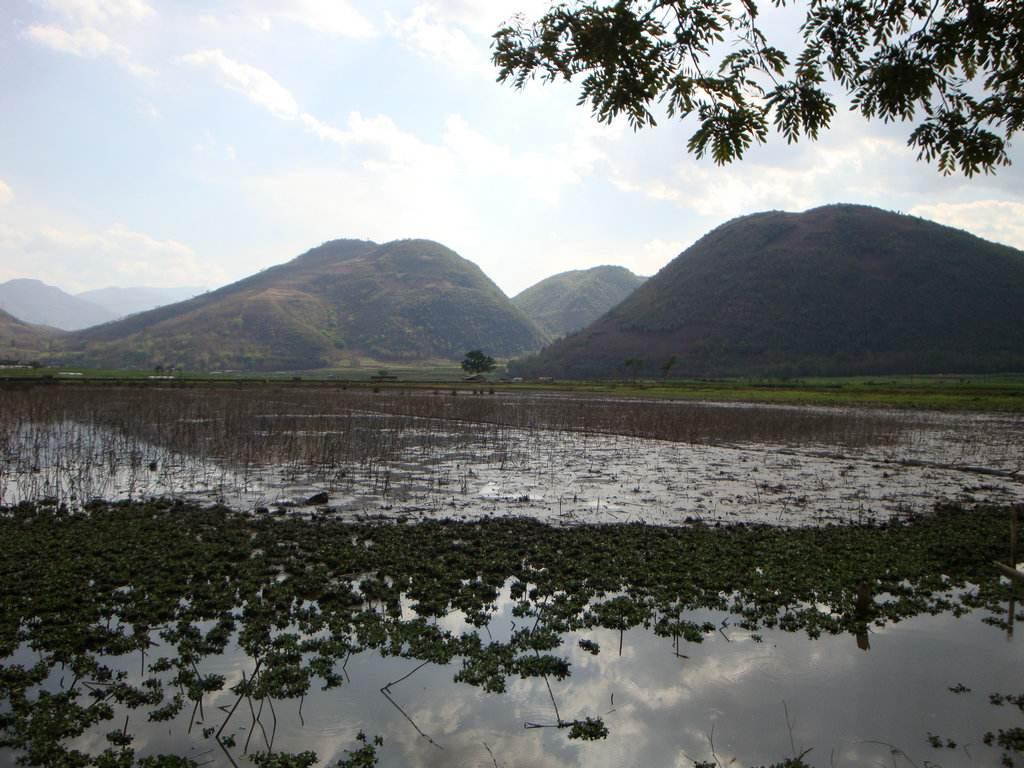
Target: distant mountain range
(842, 289)
(342, 302)
(139, 298)
(35, 302)
(837, 290)
(569, 301)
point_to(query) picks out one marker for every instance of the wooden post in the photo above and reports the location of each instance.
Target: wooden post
(1014, 511)
(1012, 573)
(1011, 612)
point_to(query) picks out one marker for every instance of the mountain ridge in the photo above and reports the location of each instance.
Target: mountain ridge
(344, 300)
(37, 303)
(127, 300)
(569, 301)
(836, 290)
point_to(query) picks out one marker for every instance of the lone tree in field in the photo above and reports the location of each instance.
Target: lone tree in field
(954, 68)
(477, 362)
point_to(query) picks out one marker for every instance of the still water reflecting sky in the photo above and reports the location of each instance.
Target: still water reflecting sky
(738, 698)
(750, 697)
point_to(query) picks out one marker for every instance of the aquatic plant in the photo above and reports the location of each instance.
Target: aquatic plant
(156, 588)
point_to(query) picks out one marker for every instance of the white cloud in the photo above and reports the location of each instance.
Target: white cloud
(543, 173)
(97, 11)
(258, 86)
(654, 254)
(390, 184)
(325, 131)
(77, 259)
(86, 42)
(458, 32)
(483, 17)
(337, 18)
(999, 220)
(6, 193)
(806, 179)
(463, 153)
(429, 32)
(390, 147)
(384, 204)
(443, 189)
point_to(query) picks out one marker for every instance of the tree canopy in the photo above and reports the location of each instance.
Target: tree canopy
(477, 362)
(952, 68)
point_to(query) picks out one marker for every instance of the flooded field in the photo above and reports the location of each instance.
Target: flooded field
(430, 455)
(383, 584)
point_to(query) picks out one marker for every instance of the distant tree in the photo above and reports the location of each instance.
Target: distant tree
(634, 364)
(667, 366)
(953, 67)
(477, 362)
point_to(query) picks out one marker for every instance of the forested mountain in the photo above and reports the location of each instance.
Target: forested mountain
(841, 289)
(569, 301)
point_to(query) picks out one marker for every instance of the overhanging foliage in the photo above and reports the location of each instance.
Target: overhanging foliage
(953, 68)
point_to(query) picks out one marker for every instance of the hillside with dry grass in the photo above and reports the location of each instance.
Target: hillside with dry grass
(344, 301)
(22, 341)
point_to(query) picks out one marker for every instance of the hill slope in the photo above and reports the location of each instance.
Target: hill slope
(35, 302)
(406, 300)
(22, 341)
(841, 289)
(568, 301)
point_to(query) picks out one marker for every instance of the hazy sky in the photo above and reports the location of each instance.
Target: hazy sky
(185, 142)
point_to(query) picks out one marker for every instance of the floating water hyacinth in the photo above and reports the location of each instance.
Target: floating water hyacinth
(243, 634)
(499, 580)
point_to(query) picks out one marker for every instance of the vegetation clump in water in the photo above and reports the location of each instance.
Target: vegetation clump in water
(94, 598)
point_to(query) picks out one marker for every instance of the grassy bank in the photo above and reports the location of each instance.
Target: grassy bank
(994, 392)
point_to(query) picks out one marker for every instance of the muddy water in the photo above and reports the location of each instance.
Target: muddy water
(432, 468)
(738, 698)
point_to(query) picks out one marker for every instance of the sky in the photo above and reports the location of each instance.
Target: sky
(194, 142)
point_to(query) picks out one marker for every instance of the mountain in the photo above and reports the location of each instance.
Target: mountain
(128, 301)
(842, 289)
(35, 302)
(407, 300)
(568, 301)
(22, 341)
